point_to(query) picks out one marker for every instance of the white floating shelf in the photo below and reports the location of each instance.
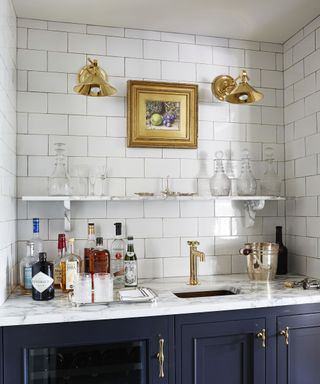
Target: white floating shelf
(251, 203)
(155, 197)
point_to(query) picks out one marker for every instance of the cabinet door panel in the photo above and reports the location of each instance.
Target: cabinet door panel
(222, 352)
(99, 352)
(298, 362)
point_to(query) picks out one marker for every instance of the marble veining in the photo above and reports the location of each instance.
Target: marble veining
(20, 309)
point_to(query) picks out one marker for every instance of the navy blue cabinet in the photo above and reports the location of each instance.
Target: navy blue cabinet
(1, 358)
(213, 350)
(298, 349)
(130, 351)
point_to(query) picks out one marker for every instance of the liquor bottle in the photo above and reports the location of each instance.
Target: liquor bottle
(26, 267)
(42, 279)
(62, 246)
(90, 245)
(282, 267)
(130, 265)
(38, 243)
(70, 266)
(117, 254)
(101, 258)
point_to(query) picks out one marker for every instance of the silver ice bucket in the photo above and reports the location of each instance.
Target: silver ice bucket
(262, 259)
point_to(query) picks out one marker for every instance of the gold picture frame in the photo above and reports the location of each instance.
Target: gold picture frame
(162, 115)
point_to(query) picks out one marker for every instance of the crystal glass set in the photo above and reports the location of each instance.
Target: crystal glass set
(245, 184)
(91, 183)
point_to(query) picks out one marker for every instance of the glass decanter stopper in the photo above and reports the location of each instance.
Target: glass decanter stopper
(246, 183)
(270, 182)
(220, 182)
(59, 181)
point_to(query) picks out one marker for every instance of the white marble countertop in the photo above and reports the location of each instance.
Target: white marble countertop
(22, 310)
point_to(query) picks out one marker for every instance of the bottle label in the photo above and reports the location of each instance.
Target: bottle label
(71, 270)
(28, 277)
(41, 282)
(130, 273)
(57, 274)
(118, 255)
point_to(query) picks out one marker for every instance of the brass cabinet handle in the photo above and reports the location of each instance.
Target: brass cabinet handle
(285, 333)
(262, 335)
(160, 356)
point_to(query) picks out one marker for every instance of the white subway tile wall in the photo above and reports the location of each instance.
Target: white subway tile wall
(302, 143)
(8, 258)
(94, 130)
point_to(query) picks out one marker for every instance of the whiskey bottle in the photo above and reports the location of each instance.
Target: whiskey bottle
(117, 254)
(38, 243)
(57, 263)
(101, 258)
(42, 279)
(130, 265)
(26, 267)
(70, 266)
(88, 250)
(282, 267)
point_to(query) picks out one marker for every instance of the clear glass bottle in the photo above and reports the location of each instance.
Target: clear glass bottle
(26, 267)
(270, 182)
(62, 248)
(70, 266)
(59, 182)
(220, 182)
(36, 240)
(130, 265)
(117, 257)
(246, 183)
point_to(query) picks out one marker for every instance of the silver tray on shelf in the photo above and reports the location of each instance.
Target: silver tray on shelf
(126, 295)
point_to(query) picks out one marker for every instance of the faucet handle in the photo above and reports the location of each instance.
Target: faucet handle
(193, 243)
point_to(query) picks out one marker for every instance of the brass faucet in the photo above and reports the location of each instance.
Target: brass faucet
(194, 253)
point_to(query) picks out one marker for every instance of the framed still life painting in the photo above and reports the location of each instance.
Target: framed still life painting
(162, 115)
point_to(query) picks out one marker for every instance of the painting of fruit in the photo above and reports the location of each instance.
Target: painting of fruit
(162, 115)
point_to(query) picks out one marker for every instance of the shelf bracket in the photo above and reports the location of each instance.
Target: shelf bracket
(250, 208)
(67, 215)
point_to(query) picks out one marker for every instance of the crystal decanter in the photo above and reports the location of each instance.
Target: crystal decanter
(59, 182)
(246, 183)
(270, 182)
(220, 182)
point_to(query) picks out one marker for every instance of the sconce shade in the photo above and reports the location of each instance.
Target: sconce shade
(225, 88)
(93, 81)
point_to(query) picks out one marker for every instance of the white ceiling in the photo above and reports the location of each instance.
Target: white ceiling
(263, 20)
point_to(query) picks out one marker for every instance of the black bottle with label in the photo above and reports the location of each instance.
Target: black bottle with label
(282, 267)
(42, 279)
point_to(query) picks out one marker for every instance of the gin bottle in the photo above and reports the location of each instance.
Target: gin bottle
(42, 279)
(26, 267)
(38, 243)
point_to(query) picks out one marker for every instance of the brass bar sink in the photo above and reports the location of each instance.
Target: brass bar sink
(216, 292)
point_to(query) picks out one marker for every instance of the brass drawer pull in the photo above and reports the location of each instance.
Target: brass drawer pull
(160, 356)
(285, 333)
(262, 335)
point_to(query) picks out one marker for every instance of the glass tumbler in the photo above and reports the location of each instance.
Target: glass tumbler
(103, 287)
(82, 291)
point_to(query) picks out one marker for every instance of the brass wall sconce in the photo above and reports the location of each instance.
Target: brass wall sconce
(226, 88)
(93, 81)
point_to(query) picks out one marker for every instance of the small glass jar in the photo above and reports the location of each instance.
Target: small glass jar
(59, 182)
(270, 182)
(246, 183)
(220, 182)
